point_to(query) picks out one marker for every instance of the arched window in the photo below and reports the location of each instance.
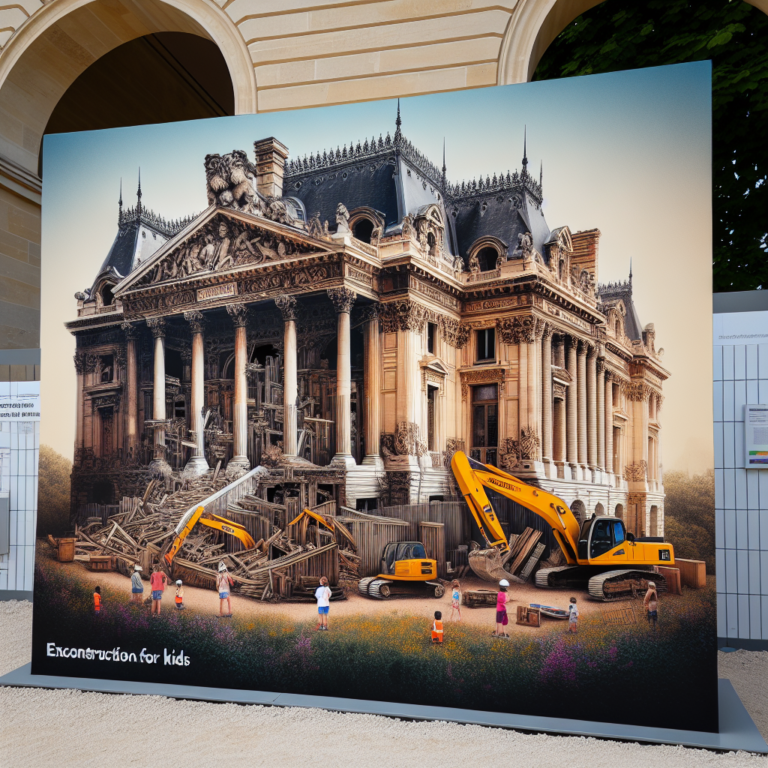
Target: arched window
(579, 510)
(363, 230)
(619, 511)
(107, 297)
(599, 509)
(488, 257)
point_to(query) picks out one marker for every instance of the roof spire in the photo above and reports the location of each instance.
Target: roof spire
(630, 270)
(138, 195)
(398, 123)
(541, 177)
(444, 168)
(120, 203)
(525, 149)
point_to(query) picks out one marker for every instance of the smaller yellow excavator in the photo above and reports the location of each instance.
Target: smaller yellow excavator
(601, 554)
(189, 521)
(405, 572)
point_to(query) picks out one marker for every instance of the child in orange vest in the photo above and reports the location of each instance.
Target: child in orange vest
(97, 600)
(179, 595)
(437, 628)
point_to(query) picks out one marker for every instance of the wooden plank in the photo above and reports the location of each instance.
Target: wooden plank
(524, 551)
(532, 560)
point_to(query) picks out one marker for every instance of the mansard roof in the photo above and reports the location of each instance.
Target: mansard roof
(611, 294)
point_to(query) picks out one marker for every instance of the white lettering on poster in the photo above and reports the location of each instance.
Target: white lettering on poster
(217, 291)
(170, 658)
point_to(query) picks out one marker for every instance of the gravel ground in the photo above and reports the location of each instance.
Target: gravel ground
(42, 728)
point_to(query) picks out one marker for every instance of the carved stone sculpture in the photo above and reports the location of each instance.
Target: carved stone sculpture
(229, 182)
(342, 219)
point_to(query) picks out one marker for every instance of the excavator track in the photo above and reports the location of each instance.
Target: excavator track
(624, 584)
(363, 584)
(547, 578)
(379, 589)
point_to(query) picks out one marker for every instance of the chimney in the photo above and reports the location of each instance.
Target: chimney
(270, 164)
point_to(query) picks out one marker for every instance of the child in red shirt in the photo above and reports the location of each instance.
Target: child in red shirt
(97, 600)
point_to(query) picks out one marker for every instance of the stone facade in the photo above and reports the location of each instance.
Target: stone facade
(351, 310)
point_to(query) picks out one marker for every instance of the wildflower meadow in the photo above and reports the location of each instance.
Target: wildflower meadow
(604, 672)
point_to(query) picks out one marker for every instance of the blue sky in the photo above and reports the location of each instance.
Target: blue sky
(628, 153)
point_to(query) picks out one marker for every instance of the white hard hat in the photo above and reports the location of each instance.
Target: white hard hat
(178, 581)
(503, 583)
(222, 567)
(136, 567)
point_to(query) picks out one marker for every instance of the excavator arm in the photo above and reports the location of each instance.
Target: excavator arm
(189, 521)
(473, 477)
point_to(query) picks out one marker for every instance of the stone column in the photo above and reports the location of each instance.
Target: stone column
(131, 392)
(372, 388)
(609, 421)
(581, 375)
(546, 393)
(601, 413)
(343, 299)
(289, 308)
(571, 404)
(239, 462)
(533, 356)
(158, 463)
(79, 404)
(592, 405)
(197, 464)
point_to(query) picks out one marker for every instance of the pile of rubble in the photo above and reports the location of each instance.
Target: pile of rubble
(285, 563)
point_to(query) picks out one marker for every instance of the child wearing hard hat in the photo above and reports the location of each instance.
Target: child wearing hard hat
(223, 584)
(179, 595)
(501, 610)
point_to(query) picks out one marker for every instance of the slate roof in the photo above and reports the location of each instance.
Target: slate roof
(611, 293)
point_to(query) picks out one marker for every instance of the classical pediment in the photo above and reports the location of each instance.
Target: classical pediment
(220, 241)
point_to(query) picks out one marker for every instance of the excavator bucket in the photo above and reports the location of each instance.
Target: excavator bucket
(487, 565)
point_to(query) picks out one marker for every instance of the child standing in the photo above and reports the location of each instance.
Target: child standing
(137, 586)
(157, 582)
(437, 628)
(97, 601)
(573, 616)
(323, 597)
(501, 610)
(179, 595)
(455, 598)
(223, 584)
(651, 604)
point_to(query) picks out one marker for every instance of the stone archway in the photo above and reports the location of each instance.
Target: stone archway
(579, 510)
(64, 38)
(599, 510)
(535, 24)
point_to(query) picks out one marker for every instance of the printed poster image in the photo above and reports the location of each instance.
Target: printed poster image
(393, 401)
(756, 435)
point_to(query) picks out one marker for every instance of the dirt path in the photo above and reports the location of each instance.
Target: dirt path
(206, 601)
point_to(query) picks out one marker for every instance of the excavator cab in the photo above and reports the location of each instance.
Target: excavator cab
(600, 535)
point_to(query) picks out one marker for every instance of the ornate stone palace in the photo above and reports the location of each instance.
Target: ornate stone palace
(352, 318)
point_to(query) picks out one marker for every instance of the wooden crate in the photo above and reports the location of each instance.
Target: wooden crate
(101, 563)
(65, 550)
(672, 575)
(693, 573)
(479, 598)
(619, 616)
(528, 617)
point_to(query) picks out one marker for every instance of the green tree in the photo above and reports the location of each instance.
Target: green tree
(689, 515)
(627, 34)
(53, 489)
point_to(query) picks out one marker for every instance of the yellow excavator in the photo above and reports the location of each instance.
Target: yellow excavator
(405, 571)
(600, 553)
(190, 520)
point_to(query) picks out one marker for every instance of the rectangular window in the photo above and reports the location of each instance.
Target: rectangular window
(486, 345)
(485, 423)
(431, 393)
(431, 332)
